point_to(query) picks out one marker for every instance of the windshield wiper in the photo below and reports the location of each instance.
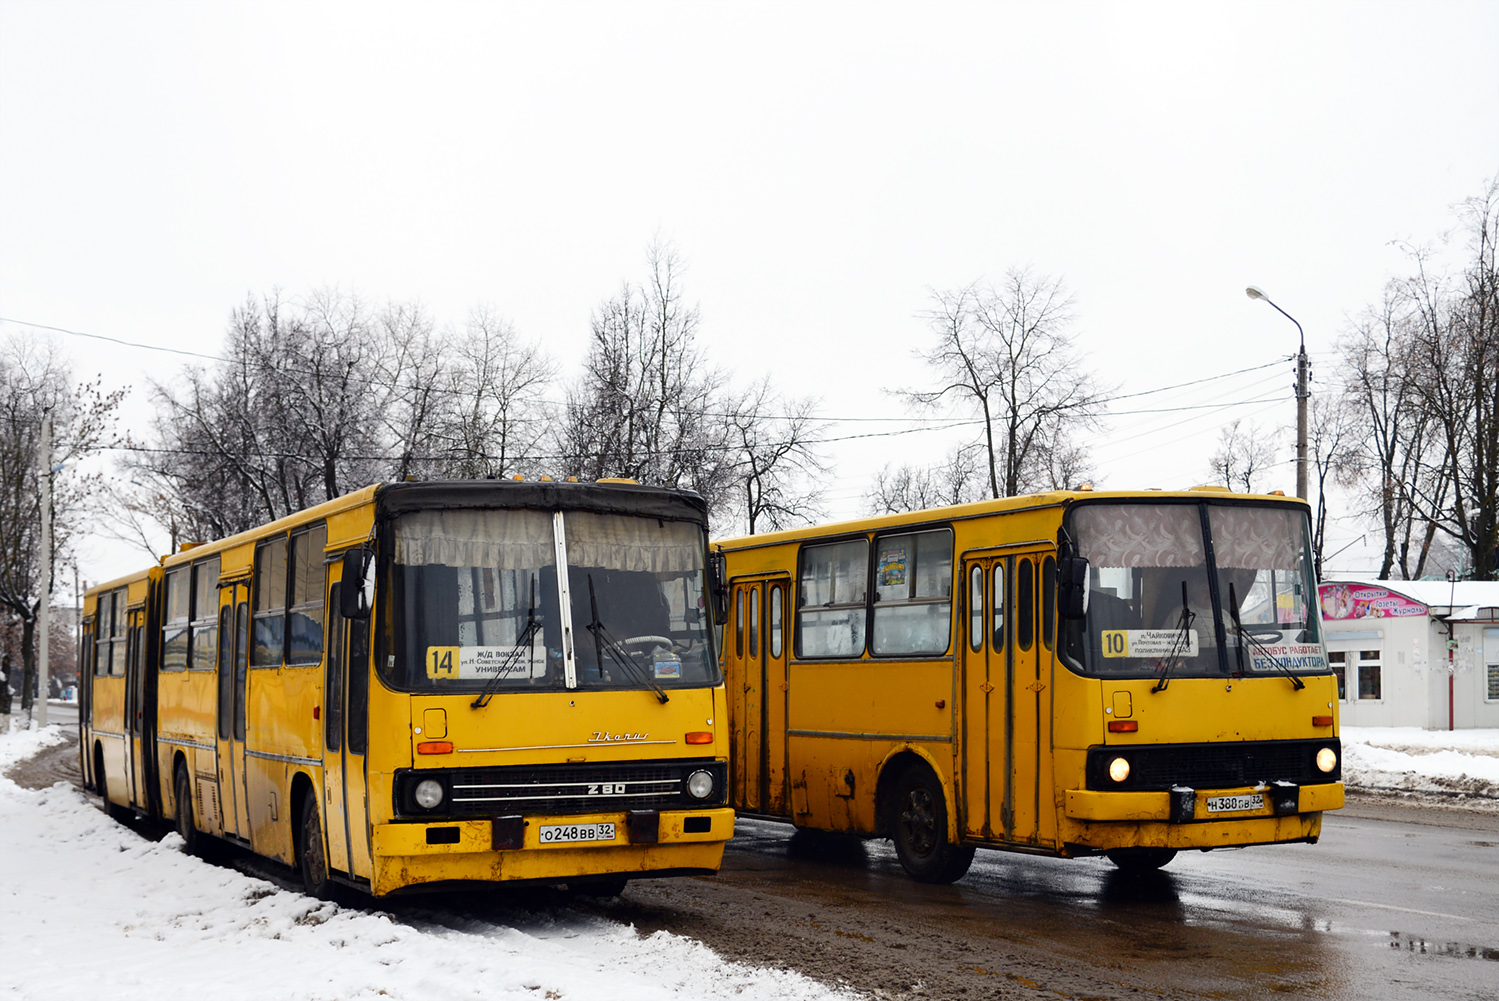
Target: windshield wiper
(1182, 643)
(523, 641)
(1260, 648)
(618, 652)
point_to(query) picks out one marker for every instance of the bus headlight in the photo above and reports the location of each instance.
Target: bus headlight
(1327, 759)
(1119, 769)
(700, 784)
(428, 793)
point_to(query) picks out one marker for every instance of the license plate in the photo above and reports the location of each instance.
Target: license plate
(556, 834)
(1231, 804)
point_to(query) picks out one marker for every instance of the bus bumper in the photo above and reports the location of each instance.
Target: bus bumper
(1189, 818)
(484, 850)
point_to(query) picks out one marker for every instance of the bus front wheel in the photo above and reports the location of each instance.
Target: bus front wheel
(312, 859)
(919, 820)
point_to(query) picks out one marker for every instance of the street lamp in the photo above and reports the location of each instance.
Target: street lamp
(1303, 392)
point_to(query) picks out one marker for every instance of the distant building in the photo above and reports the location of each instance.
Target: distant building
(1414, 652)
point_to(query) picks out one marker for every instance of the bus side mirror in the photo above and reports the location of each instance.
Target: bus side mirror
(718, 585)
(357, 596)
(1072, 585)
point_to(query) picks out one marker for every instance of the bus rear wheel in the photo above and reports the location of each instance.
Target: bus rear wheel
(312, 859)
(1141, 859)
(119, 814)
(185, 826)
(919, 822)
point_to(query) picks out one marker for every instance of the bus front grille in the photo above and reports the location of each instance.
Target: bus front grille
(1212, 766)
(562, 789)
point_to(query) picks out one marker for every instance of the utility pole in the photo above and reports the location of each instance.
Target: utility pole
(1303, 392)
(44, 617)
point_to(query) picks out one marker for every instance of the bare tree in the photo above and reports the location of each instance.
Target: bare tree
(1006, 355)
(1245, 452)
(36, 384)
(776, 462)
(957, 479)
(644, 406)
(1335, 457)
(496, 422)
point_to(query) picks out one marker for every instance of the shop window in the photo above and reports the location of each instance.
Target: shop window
(1369, 675)
(1338, 661)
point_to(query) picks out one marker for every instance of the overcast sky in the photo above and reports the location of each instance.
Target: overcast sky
(821, 167)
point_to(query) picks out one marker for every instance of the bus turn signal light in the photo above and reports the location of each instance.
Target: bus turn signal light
(700, 737)
(435, 747)
(1321, 721)
(1123, 725)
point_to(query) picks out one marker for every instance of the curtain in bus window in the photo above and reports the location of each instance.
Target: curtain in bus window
(475, 539)
(833, 587)
(913, 593)
(1140, 535)
(304, 624)
(117, 632)
(174, 632)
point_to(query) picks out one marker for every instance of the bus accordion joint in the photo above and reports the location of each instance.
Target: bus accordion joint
(1123, 725)
(435, 747)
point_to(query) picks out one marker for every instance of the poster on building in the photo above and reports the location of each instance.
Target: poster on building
(1362, 601)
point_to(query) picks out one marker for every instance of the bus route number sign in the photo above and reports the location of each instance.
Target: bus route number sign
(1148, 643)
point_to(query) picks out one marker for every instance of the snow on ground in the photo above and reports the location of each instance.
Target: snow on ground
(91, 909)
(1453, 766)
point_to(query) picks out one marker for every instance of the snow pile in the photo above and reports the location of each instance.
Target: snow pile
(90, 909)
(1458, 766)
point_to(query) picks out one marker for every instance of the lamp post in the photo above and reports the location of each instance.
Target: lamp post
(1303, 392)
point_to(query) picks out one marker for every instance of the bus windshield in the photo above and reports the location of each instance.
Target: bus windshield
(475, 601)
(1195, 590)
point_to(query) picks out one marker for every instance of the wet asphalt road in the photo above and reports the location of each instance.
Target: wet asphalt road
(1393, 903)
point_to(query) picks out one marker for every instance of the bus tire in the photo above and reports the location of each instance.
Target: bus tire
(312, 858)
(1141, 859)
(183, 791)
(919, 830)
(119, 814)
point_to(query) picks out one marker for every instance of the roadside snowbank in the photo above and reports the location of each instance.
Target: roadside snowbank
(1457, 767)
(90, 909)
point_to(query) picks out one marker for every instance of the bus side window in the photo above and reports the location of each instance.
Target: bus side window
(976, 608)
(268, 644)
(777, 612)
(999, 597)
(1048, 601)
(1025, 605)
(739, 623)
(754, 622)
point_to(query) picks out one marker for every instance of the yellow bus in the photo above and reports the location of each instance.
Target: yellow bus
(427, 685)
(1068, 674)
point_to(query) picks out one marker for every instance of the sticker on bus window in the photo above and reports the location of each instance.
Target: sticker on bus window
(1148, 643)
(892, 567)
(667, 665)
(1296, 656)
(481, 663)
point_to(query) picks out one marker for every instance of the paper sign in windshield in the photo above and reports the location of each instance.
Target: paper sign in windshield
(481, 663)
(1149, 643)
(1280, 656)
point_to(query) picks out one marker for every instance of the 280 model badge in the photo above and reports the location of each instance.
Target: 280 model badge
(605, 737)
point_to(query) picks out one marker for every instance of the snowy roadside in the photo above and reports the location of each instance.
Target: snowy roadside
(90, 909)
(1452, 768)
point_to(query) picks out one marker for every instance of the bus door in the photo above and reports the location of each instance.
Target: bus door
(234, 660)
(1007, 700)
(135, 705)
(760, 693)
(345, 726)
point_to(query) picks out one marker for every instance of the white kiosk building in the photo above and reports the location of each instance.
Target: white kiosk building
(1414, 652)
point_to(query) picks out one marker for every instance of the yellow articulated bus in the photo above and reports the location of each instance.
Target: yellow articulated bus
(427, 685)
(1068, 674)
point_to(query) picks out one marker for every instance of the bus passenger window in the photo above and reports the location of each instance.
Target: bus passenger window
(205, 622)
(754, 622)
(976, 608)
(270, 604)
(174, 632)
(1000, 596)
(776, 601)
(739, 623)
(913, 593)
(832, 592)
(1048, 601)
(304, 624)
(1025, 605)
